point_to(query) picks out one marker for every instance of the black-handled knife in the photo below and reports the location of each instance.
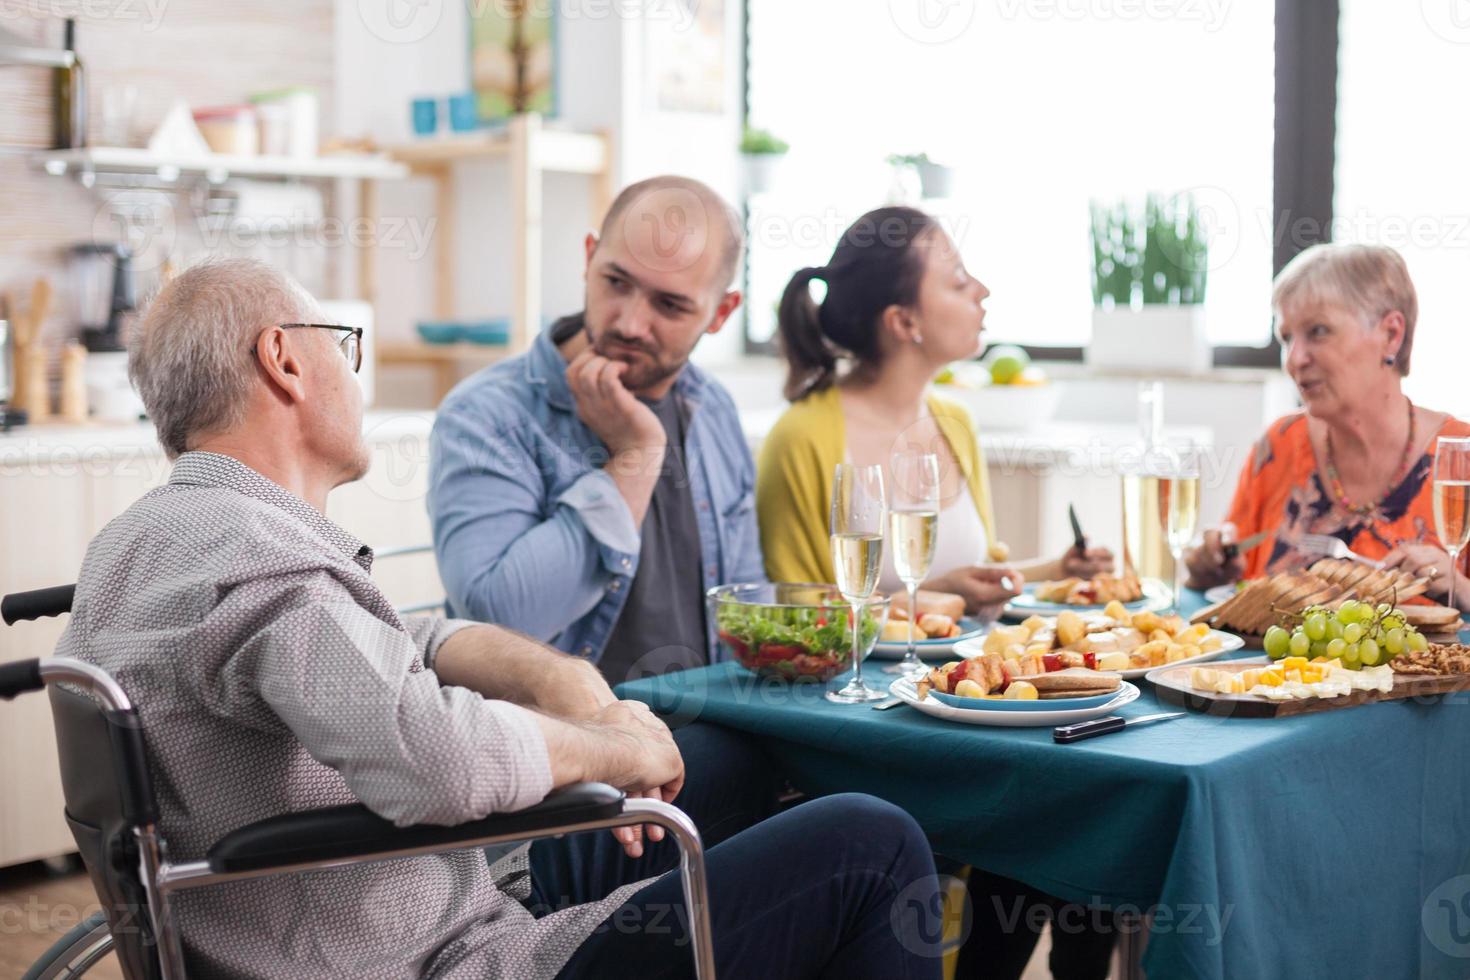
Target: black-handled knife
(1241, 547)
(1104, 726)
(1079, 540)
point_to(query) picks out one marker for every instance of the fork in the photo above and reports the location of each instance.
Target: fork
(1326, 544)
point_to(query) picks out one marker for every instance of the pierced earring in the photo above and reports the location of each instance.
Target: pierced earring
(1389, 360)
(918, 338)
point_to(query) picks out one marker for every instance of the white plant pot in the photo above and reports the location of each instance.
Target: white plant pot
(760, 171)
(1154, 337)
(936, 179)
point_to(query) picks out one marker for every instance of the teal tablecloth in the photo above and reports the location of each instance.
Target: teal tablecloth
(1329, 845)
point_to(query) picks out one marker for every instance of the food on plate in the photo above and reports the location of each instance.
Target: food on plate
(1356, 633)
(942, 603)
(1095, 591)
(1114, 640)
(930, 626)
(1330, 583)
(992, 675)
(795, 642)
(1439, 659)
(1293, 678)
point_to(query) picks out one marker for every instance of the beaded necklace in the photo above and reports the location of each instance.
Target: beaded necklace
(1402, 471)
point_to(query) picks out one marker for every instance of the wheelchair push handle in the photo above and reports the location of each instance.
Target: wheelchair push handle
(36, 604)
(20, 677)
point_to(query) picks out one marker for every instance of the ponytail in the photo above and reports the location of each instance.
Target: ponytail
(874, 266)
(811, 362)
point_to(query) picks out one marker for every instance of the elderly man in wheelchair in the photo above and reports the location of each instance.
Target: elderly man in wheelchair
(331, 771)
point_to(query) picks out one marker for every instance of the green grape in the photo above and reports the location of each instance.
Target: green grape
(1276, 642)
(1417, 642)
(1352, 657)
(1335, 627)
(1319, 649)
(1348, 611)
(1383, 609)
(1353, 632)
(1336, 647)
(1315, 626)
(1299, 645)
(1393, 641)
(1369, 653)
(1394, 621)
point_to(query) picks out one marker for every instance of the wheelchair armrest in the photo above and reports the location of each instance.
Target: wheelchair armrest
(355, 831)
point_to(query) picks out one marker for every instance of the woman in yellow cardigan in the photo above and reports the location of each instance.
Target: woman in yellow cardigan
(900, 306)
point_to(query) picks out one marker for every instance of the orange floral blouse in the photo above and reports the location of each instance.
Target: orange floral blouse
(1282, 489)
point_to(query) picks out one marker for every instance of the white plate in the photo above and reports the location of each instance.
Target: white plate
(1228, 642)
(927, 649)
(1220, 593)
(904, 690)
(1155, 598)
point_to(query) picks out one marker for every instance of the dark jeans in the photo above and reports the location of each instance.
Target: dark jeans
(821, 890)
(1008, 916)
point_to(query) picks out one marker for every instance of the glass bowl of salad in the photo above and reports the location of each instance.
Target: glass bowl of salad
(798, 631)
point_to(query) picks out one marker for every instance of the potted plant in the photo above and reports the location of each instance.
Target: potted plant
(1148, 285)
(763, 153)
(935, 179)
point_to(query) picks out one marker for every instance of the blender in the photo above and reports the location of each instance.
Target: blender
(102, 288)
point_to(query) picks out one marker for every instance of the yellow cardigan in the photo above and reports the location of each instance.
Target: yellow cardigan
(793, 483)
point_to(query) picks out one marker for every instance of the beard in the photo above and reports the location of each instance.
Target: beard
(647, 365)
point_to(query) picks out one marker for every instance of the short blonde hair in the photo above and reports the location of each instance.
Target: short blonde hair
(1370, 280)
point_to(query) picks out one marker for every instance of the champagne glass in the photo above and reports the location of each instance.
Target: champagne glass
(1452, 500)
(914, 522)
(858, 515)
(1180, 505)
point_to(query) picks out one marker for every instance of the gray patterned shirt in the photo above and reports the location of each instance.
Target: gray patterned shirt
(273, 676)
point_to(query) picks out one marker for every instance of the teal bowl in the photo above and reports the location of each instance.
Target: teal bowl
(441, 332)
(493, 332)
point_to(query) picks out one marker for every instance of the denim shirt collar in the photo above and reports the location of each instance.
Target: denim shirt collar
(546, 368)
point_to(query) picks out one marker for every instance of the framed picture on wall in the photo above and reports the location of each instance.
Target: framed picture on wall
(684, 47)
(513, 58)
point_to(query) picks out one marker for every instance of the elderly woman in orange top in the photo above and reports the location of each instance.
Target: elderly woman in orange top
(1356, 463)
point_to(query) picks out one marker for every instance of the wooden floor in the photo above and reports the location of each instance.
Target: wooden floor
(38, 906)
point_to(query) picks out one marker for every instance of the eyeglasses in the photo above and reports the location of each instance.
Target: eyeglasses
(350, 345)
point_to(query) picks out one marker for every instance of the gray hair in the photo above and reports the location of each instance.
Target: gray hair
(1369, 280)
(190, 356)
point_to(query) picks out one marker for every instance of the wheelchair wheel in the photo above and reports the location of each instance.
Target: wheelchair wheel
(74, 953)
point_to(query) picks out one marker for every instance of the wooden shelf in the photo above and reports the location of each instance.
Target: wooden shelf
(531, 151)
(417, 352)
(216, 167)
(553, 151)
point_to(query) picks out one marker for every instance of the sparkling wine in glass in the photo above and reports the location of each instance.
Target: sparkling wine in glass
(1179, 502)
(1452, 500)
(913, 528)
(859, 511)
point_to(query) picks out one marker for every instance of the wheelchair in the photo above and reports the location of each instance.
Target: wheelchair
(112, 814)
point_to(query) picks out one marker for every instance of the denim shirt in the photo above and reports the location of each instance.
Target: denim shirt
(531, 533)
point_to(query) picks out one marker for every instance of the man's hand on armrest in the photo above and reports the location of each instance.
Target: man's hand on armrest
(502, 665)
(624, 745)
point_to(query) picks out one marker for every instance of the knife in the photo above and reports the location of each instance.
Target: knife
(1079, 540)
(1241, 547)
(1104, 726)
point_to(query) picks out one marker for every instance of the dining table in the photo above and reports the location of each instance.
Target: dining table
(1329, 844)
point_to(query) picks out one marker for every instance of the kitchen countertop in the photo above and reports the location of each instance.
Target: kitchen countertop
(1058, 445)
